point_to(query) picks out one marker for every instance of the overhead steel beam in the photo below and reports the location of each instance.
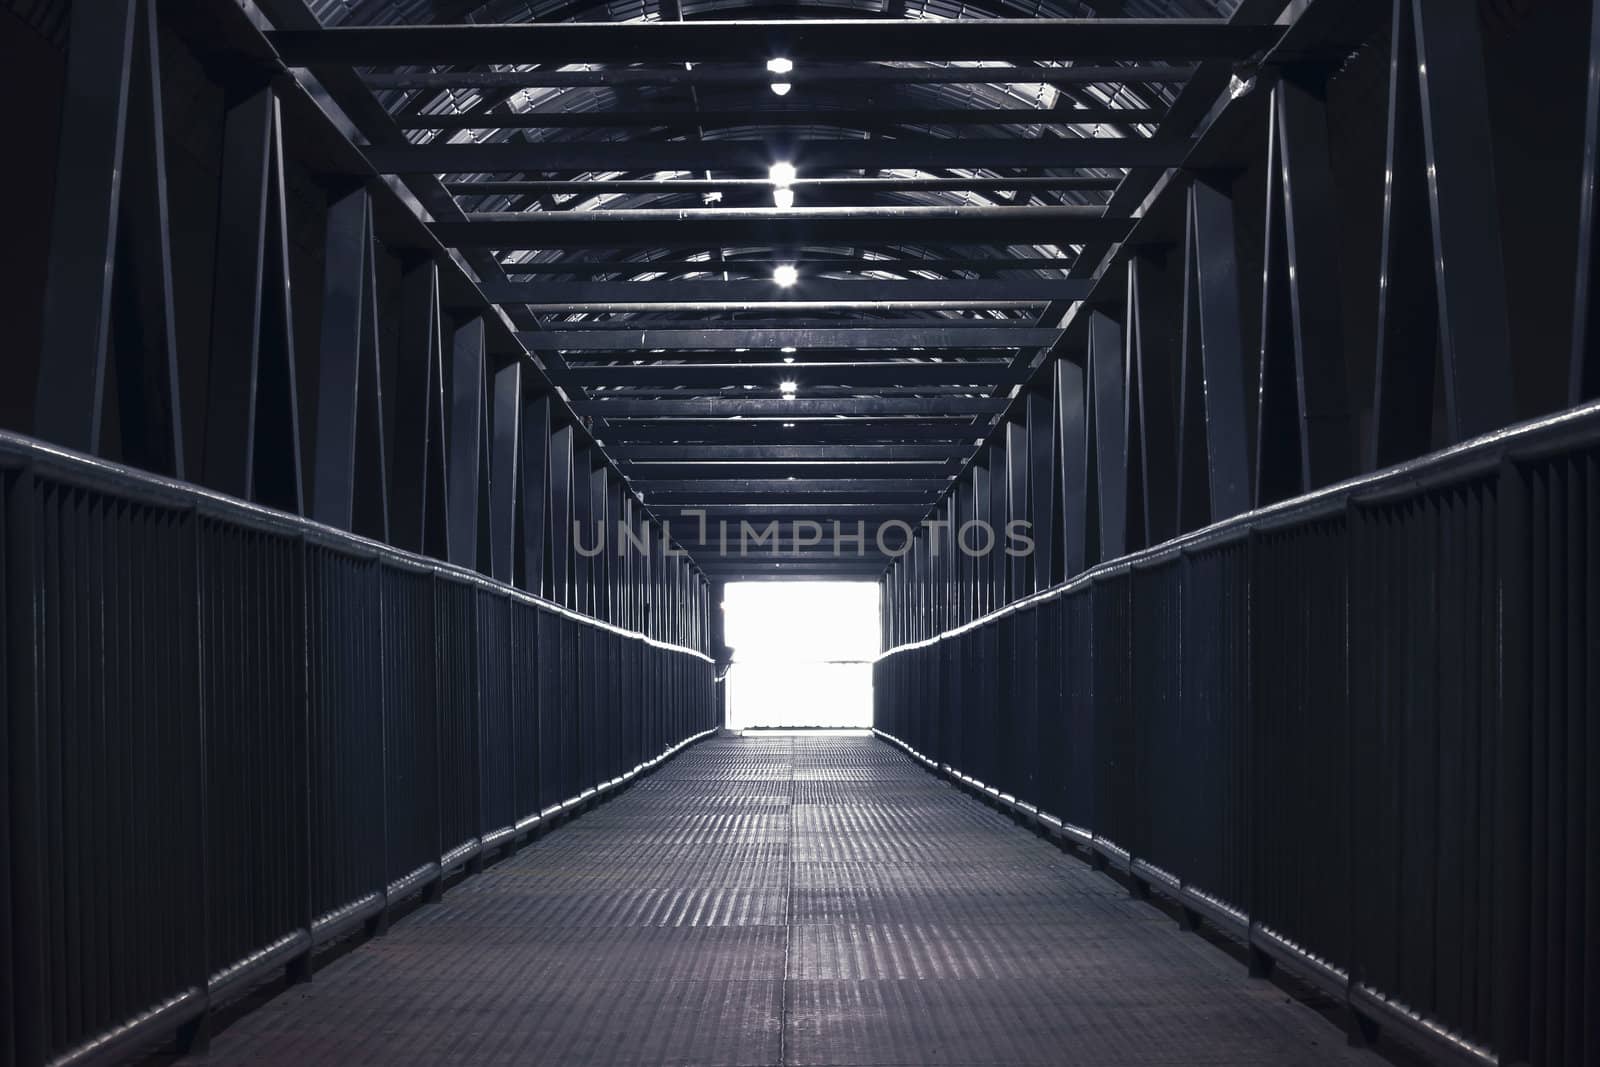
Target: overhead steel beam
(864, 337)
(828, 292)
(834, 75)
(798, 431)
(785, 318)
(761, 408)
(697, 487)
(696, 497)
(734, 453)
(640, 473)
(789, 116)
(805, 375)
(822, 40)
(534, 187)
(712, 227)
(757, 156)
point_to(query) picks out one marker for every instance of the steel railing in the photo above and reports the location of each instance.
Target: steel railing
(233, 735)
(1361, 729)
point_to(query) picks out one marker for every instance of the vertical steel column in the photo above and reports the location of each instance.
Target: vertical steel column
(1042, 488)
(349, 431)
(1408, 309)
(1327, 423)
(1151, 422)
(252, 432)
(1105, 360)
(108, 283)
(561, 570)
(418, 482)
(1016, 442)
(1469, 268)
(1072, 415)
(533, 514)
(464, 434)
(1214, 437)
(1280, 462)
(998, 489)
(1585, 375)
(505, 437)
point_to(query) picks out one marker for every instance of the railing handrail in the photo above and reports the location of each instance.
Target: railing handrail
(1459, 463)
(18, 451)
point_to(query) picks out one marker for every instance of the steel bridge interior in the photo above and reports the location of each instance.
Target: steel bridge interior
(390, 387)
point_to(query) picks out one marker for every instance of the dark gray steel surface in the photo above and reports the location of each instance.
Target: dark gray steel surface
(794, 900)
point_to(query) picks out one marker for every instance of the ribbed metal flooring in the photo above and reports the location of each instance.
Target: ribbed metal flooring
(786, 900)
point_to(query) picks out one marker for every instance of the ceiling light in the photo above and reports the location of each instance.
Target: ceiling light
(788, 426)
(781, 88)
(781, 174)
(780, 65)
(789, 348)
(783, 197)
(788, 359)
(785, 275)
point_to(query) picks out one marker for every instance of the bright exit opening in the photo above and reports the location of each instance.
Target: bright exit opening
(802, 653)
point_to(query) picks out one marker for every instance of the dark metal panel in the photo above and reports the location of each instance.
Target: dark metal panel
(83, 233)
(418, 485)
(1152, 421)
(561, 577)
(534, 508)
(1327, 423)
(464, 434)
(1110, 444)
(1018, 505)
(1280, 465)
(1408, 309)
(505, 437)
(1469, 266)
(245, 294)
(1215, 289)
(348, 448)
(819, 40)
(1072, 416)
(1043, 488)
(1058, 224)
(1585, 374)
(584, 539)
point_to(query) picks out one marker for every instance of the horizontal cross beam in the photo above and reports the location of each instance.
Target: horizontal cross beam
(637, 455)
(798, 431)
(805, 375)
(657, 472)
(830, 40)
(531, 187)
(809, 116)
(715, 339)
(964, 292)
(654, 488)
(757, 156)
(836, 75)
(696, 497)
(851, 407)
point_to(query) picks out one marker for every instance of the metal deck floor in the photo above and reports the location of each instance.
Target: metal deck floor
(786, 900)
